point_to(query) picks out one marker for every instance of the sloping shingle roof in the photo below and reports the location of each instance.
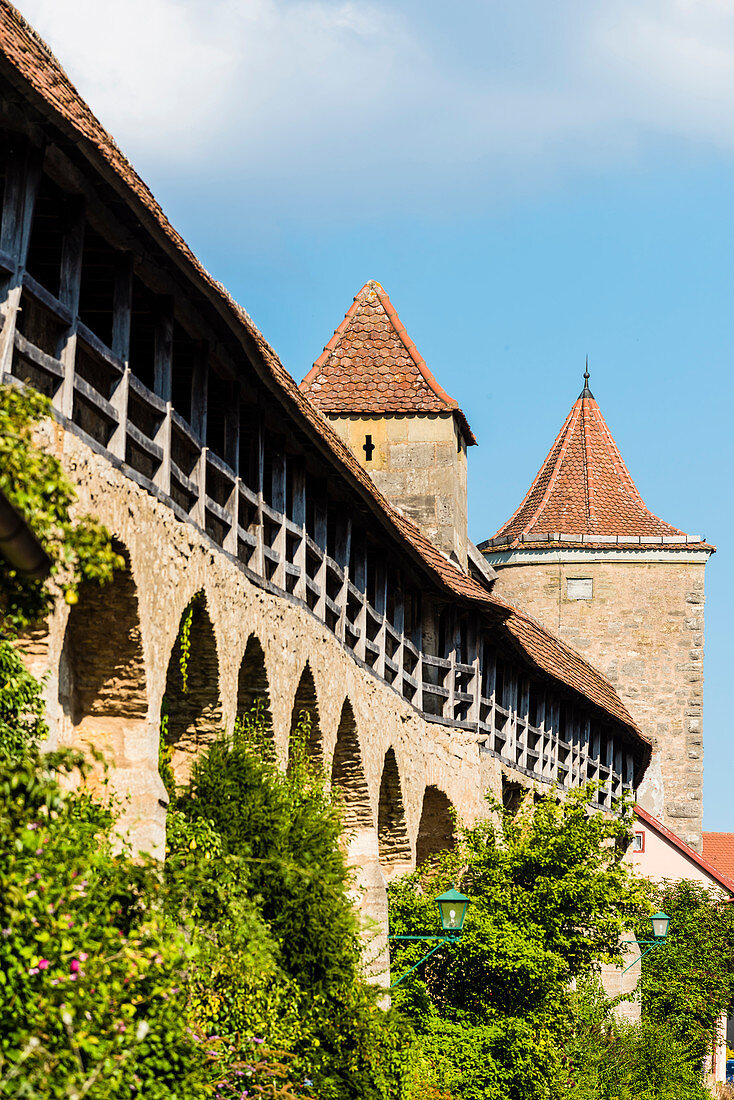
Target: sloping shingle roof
(371, 365)
(584, 489)
(27, 61)
(718, 849)
(724, 879)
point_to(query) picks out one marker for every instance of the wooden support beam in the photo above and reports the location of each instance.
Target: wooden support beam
(69, 288)
(162, 386)
(320, 537)
(257, 557)
(200, 390)
(278, 497)
(342, 552)
(381, 609)
(22, 178)
(298, 491)
(122, 303)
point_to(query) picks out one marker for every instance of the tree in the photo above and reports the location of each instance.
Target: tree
(551, 899)
(689, 983)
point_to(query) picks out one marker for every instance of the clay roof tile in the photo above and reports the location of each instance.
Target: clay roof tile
(386, 372)
(584, 489)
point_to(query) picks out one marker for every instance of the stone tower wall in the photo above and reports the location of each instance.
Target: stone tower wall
(419, 463)
(643, 628)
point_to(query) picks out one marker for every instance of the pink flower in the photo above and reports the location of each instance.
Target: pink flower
(83, 956)
(44, 964)
(33, 970)
(73, 966)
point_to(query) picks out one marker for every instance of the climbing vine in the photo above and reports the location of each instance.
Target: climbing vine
(184, 641)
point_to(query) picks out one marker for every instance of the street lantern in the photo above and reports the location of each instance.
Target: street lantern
(660, 922)
(452, 907)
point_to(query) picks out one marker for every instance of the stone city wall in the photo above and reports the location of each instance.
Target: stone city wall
(112, 657)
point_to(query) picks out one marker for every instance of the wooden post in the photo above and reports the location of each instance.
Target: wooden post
(70, 285)
(398, 625)
(342, 552)
(358, 578)
(320, 537)
(199, 398)
(417, 640)
(257, 558)
(232, 458)
(452, 628)
(122, 304)
(380, 608)
(162, 384)
(200, 390)
(298, 479)
(21, 187)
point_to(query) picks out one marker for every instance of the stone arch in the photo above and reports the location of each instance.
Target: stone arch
(103, 697)
(369, 890)
(306, 702)
(253, 687)
(396, 856)
(102, 687)
(436, 832)
(347, 775)
(192, 700)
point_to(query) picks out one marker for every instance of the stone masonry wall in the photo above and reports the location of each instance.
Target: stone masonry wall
(169, 563)
(419, 463)
(643, 629)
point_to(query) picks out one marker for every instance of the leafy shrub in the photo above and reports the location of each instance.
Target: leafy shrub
(689, 984)
(91, 969)
(35, 483)
(550, 900)
(608, 1060)
(256, 869)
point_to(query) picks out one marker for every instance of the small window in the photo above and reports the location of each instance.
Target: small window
(579, 588)
(638, 842)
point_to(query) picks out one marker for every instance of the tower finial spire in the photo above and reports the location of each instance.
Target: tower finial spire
(586, 392)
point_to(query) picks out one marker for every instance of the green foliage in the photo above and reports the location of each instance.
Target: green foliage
(689, 983)
(91, 991)
(36, 484)
(551, 899)
(22, 710)
(608, 1060)
(258, 874)
(165, 753)
(184, 638)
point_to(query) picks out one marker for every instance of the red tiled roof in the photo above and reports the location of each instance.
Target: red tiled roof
(33, 68)
(724, 879)
(584, 489)
(718, 849)
(371, 365)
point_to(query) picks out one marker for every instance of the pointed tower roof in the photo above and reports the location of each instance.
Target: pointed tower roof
(371, 365)
(584, 493)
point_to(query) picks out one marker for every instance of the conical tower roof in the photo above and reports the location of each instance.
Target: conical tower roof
(371, 365)
(584, 492)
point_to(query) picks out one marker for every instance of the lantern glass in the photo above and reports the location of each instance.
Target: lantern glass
(660, 922)
(452, 907)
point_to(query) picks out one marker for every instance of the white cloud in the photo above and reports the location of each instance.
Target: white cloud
(357, 99)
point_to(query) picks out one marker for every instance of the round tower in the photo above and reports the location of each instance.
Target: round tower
(585, 556)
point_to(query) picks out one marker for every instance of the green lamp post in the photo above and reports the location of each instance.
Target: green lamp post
(452, 907)
(660, 923)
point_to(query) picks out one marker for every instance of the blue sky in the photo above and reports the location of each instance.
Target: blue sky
(530, 182)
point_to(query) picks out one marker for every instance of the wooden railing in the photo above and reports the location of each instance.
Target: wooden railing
(43, 343)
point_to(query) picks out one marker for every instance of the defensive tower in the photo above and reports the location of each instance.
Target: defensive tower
(585, 556)
(374, 387)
